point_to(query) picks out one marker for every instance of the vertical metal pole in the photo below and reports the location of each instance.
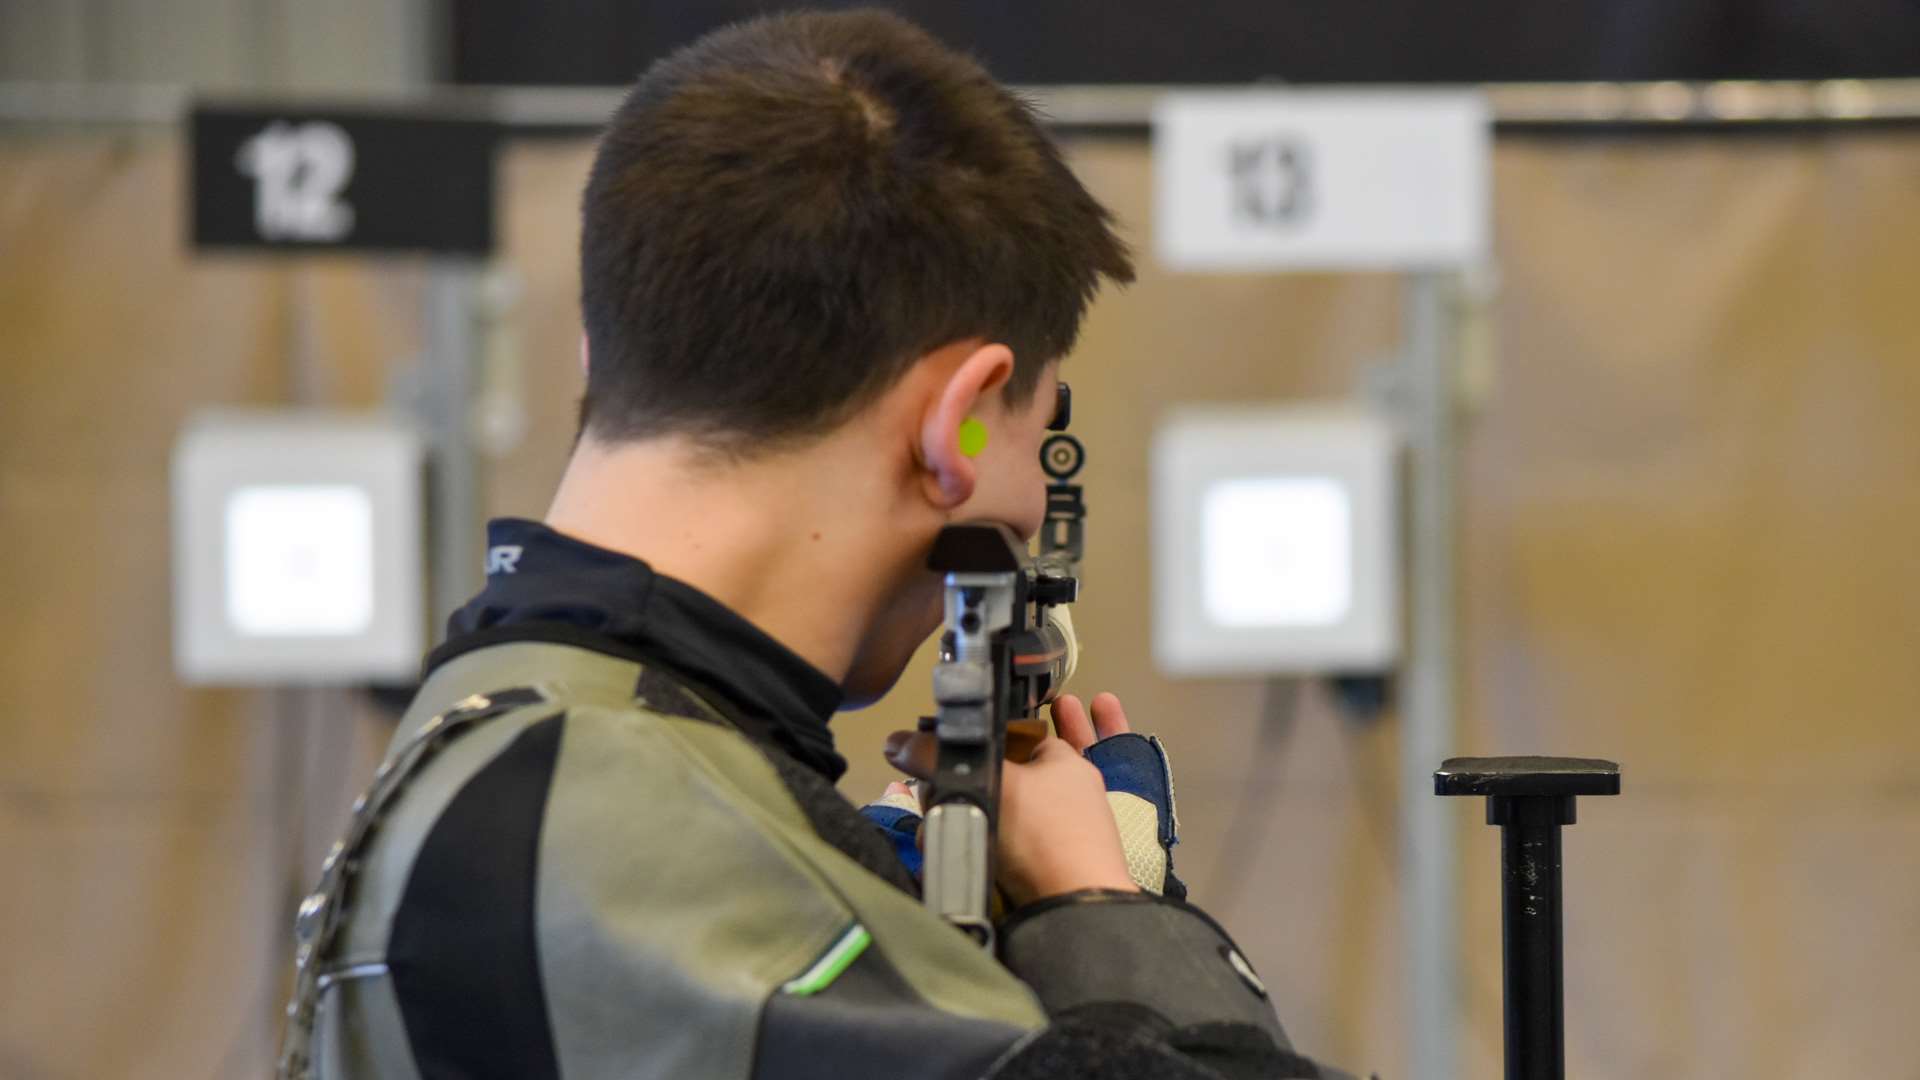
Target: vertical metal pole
(1530, 932)
(1531, 798)
(1427, 892)
(456, 528)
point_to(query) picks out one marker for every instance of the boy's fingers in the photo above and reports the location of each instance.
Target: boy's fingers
(1071, 723)
(900, 797)
(1109, 719)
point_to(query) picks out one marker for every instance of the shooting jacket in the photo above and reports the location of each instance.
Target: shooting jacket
(606, 843)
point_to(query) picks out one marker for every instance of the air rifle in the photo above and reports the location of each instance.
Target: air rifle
(1008, 648)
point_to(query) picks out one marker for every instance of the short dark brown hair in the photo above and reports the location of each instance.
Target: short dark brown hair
(783, 216)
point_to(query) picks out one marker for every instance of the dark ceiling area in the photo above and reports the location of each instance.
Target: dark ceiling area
(608, 42)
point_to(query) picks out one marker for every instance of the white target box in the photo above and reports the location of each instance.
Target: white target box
(1275, 541)
(298, 548)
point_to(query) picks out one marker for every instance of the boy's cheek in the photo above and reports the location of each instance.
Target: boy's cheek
(1032, 512)
(1022, 500)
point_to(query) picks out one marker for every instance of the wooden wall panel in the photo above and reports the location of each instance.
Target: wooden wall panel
(152, 838)
(1691, 513)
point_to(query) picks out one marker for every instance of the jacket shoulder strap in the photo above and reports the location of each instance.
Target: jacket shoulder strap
(322, 912)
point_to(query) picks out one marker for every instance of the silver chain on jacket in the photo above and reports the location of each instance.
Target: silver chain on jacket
(322, 912)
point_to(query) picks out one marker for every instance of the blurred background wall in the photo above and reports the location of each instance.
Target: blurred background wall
(232, 45)
(1687, 544)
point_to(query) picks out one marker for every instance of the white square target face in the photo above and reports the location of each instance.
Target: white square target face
(1275, 547)
(297, 548)
(1277, 551)
(300, 560)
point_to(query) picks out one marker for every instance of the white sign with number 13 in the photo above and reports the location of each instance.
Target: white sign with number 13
(1321, 179)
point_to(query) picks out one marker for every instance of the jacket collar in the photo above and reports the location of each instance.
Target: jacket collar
(540, 581)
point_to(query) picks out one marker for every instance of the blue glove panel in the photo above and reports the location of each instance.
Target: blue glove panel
(1137, 765)
(1135, 768)
(902, 830)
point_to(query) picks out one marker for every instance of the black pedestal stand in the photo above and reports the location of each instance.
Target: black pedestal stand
(1530, 798)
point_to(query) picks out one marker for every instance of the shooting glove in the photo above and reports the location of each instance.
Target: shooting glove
(1140, 791)
(897, 814)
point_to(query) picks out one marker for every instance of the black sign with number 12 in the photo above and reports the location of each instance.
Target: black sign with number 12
(289, 179)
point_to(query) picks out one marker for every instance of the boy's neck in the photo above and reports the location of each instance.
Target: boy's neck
(808, 545)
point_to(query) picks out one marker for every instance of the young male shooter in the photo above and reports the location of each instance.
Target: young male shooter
(606, 842)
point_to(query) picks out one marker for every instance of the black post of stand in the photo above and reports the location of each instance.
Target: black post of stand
(1530, 798)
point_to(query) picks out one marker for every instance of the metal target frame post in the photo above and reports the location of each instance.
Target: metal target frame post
(1429, 917)
(456, 524)
(1280, 180)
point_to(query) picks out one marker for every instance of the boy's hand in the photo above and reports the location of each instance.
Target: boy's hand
(1057, 832)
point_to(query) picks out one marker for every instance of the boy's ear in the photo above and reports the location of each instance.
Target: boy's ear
(586, 363)
(950, 476)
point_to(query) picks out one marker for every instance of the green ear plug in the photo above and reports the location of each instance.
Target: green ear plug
(973, 437)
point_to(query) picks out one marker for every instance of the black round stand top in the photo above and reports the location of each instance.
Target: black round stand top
(1527, 776)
